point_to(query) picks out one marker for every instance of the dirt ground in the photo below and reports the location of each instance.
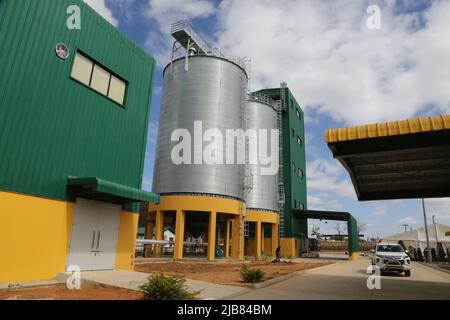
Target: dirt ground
(60, 292)
(223, 273)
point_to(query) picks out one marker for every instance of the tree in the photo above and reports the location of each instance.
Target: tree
(361, 226)
(316, 232)
(339, 229)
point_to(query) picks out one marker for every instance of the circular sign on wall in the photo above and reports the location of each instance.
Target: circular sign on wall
(62, 51)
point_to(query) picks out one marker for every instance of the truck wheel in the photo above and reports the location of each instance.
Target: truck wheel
(407, 273)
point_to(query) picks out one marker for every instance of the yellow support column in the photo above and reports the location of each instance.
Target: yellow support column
(263, 249)
(227, 239)
(159, 231)
(179, 235)
(258, 239)
(237, 238)
(274, 239)
(212, 236)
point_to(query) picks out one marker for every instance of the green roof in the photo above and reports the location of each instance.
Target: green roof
(107, 191)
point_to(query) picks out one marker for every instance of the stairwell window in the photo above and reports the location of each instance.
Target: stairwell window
(90, 73)
(300, 173)
(299, 141)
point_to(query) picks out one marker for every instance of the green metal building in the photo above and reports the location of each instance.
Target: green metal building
(292, 228)
(74, 107)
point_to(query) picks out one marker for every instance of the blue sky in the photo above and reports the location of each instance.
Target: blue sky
(341, 72)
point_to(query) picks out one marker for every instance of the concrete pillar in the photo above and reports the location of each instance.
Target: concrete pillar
(179, 235)
(212, 236)
(258, 239)
(159, 232)
(227, 238)
(274, 238)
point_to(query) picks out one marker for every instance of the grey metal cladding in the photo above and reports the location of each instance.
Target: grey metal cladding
(263, 195)
(210, 91)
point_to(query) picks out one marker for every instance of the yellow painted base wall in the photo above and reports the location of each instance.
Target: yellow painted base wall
(127, 240)
(290, 248)
(34, 237)
(268, 247)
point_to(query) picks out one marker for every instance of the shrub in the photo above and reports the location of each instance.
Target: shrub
(251, 275)
(162, 287)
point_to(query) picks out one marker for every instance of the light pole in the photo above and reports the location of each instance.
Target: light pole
(405, 225)
(435, 228)
(426, 231)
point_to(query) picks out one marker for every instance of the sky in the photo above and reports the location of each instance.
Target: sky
(341, 72)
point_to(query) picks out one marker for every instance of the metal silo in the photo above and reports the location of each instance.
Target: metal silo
(203, 88)
(262, 114)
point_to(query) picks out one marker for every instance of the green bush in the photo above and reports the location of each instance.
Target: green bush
(251, 275)
(162, 287)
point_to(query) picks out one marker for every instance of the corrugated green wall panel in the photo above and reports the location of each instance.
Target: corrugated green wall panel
(51, 126)
(294, 186)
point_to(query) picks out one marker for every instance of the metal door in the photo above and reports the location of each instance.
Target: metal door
(107, 234)
(94, 235)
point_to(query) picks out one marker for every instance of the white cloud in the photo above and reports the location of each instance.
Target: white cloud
(100, 7)
(329, 177)
(440, 208)
(334, 64)
(318, 203)
(380, 211)
(166, 12)
(409, 221)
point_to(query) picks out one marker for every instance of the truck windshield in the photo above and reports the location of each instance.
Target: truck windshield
(389, 248)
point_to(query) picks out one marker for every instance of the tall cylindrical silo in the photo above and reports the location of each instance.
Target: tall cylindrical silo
(262, 114)
(207, 89)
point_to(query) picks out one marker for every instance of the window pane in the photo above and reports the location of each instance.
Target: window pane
(81, 69)
(117, 90)
(100, 80)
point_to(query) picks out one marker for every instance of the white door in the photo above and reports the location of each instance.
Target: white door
(94, 235)
(105, 246)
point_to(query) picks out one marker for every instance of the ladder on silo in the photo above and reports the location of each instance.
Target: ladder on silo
(247, 180)
(281, 195)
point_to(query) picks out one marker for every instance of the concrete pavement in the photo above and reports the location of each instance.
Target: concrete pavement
(133, 280)
(348, 280)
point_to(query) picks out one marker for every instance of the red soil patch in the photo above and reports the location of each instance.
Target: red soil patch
(223, 273)
(60, 292)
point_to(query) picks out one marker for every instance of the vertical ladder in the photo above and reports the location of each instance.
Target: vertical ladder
(282, 105)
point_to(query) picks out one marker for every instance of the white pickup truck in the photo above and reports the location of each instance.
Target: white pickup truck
(391, 257)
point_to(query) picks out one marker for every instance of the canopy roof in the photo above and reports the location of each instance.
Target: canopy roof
(396, 160)
(102, 190)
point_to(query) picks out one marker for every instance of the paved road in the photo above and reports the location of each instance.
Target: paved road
(348, 280)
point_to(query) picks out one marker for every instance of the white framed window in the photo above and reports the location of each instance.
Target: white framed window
(86, 71)
(100, 80)
(82, 69)
(117, 90)
(299, 141)
(299, 115)
(300, 173)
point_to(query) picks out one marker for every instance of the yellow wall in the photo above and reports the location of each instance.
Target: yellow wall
(290, 247)
(261, 216)
(126, 243)
(196, 203)
(34, 237)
